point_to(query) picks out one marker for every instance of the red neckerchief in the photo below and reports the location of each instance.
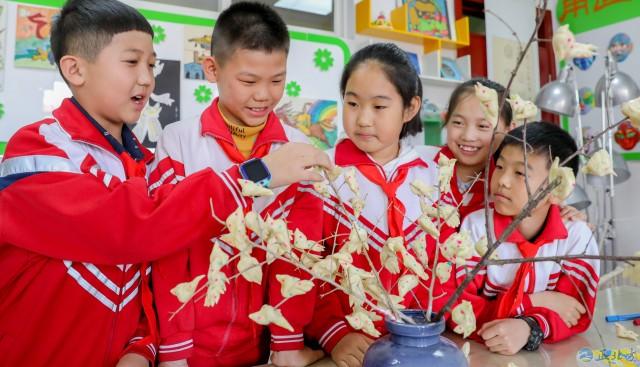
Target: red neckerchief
(476, 190)
(554, 229)
(348, 154)
(212, 123)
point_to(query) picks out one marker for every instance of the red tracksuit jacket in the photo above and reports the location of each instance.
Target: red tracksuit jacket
(223, 335)
(329, 325)
(73, 233)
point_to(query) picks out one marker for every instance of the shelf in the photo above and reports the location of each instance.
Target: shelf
(433, 80)
(398, 32)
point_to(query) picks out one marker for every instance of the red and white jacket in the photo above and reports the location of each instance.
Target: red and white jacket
(74, 231)
(224, 334)
(558, 238)
(329, 324)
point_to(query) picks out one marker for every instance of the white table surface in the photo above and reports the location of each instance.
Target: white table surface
(618, 300)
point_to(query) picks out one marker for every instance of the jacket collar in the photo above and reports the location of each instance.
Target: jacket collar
(554, 228)
(348, 154)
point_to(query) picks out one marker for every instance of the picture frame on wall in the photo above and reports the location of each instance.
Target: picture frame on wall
(432, 18)
(449, 69)
(415, 61)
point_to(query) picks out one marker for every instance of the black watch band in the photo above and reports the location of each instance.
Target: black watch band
(536, 336)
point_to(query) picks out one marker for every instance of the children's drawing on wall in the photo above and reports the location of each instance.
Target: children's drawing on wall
(164, 104)
(197, 45)
(315, 118)
(33, 31)
(429, 17)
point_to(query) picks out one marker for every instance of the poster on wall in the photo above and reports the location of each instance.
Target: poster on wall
(505, 57)
(430, 17)
(314, 118)
(163, 107)
(197, 46)
(33, 37)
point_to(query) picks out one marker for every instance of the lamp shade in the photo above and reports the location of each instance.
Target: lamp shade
(558, 96)
(578, 198)
(623, 89)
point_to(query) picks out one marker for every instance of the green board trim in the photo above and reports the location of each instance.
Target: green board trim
(3, 146)
(635, 156)
(585, 18)
(206, 22)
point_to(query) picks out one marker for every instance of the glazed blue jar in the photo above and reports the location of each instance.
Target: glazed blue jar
(409, 345)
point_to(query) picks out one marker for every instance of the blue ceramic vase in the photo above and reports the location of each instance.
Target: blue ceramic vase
(416, 345)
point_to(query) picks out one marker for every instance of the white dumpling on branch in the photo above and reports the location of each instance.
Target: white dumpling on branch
(406, 283)
(322, 188)
(522, 109)
(449, 214)
(624, 333)
(357, 204)
(412, 264)
(217, 285)
(301, 242)
(427, 225)
(237, 240)
(361, 320)
(389, 254)
(255, 223)
(353, 281)
(333, 173)
(249, 268)
(567, 180)
(419, 246)
(250, 188)
(309, 260)
(428, 209)
(217, 257)
(489, 103)
(631, 109)
(184, 291)
(235, 221)
(482, 246)
(443, 271)
(352, 182)
(291, 286)
(446, 167)
(278, 231)
(328, 267)
(270, 315)
(458, 248)
(464, 317)
(566, 48)
(600, 164)
(357, 241)
(419, 188)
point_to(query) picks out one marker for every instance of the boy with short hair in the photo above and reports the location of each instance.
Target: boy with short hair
(518, 306)
(248, 63)
(76, 220)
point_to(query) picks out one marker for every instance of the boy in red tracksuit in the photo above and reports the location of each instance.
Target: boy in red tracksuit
(518, 306)
(76, 221)
(248, 64)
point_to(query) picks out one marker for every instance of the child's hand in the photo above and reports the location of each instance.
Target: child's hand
(296, 358)
(180, 363)
(132, 360)
(505, 336)
(291, 162)
(568, 308)
(350, 350)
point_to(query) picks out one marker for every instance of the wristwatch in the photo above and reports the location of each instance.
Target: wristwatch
(536, 335)
(255, 170)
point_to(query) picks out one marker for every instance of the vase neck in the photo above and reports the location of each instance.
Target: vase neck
(415, 341)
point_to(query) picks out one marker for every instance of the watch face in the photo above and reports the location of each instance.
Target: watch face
(255, 170)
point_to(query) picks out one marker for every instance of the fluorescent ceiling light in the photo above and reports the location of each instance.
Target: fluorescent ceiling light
(320, 7)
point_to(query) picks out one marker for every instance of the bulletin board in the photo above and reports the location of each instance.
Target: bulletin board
(31, 86)
(610, 25)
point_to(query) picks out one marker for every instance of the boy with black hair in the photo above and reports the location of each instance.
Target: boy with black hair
(76, 221)
(248, 64)
(518, 306)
